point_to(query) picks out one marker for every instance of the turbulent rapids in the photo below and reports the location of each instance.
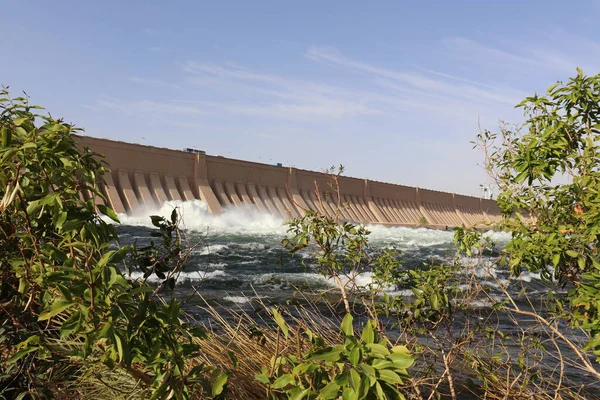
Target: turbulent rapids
(241, 257)
(241, 266)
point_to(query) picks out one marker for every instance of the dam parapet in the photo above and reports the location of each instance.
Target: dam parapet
(146, 176)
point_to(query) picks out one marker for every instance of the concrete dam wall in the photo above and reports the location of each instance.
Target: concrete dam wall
(146, 176)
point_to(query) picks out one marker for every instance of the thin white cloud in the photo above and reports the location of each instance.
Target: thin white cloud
(233, 72)
(153, 82)
(467, 47)
(457, 78)
(145, 108)
(560, 52)
(257, 94)
(323, 109)
(245, 92)
(556, 60)
(476, 93)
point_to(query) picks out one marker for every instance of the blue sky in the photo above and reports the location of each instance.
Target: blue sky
(392, 90)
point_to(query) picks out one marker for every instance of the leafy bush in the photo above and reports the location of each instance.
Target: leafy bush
(548, 174)
(64, 303)
(365, 368)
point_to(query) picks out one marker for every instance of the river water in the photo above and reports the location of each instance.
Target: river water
(240, 260)
(240, 256)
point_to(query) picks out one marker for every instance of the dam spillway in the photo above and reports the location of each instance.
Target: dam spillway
(146, 176)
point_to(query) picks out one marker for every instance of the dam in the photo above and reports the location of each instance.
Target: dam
(146, 176)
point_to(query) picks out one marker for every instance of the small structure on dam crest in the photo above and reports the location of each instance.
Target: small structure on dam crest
(149, 176)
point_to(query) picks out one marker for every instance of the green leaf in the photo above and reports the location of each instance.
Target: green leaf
(119, 345)
(367, 369)
(262, 378)
(72, 225)
(401, 360)
(355, 356)
(50, 198)
(22, 396)
(282, 381)
(54, 309)
(72, 324)
(346, 325)
(379, 392)
(109, 212)
(233, 358)
(105, 259)
(280, 322)
(349, 394)
(354, 380)
(161, 390)
(400, 350)
(368, 333)
(382, 364)
(389, 376)
(33, 207)
(342, 379)
(556, 259)
(365, 386)
(377, 349)
(28, 145)
(551, 88)
(22, 353)
(156, 220)
(60, 220)
(330, 391)
(298, 394)
(54, 127)
(19, 121)
(219, 384)
(327, 354)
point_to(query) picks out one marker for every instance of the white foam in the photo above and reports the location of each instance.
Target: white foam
(402, 293)
(406, 238)
(195, 216)
(360, 281)
(364, 280)
(498, 237)
(217, 265)
(251, 246)
(211, 249)
(192, 276)
(527, 276)
(295, 279)
(479, 268)
(248, 220)
(480, 303)
(237, 299)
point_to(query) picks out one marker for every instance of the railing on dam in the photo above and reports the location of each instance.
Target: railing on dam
(148, 176)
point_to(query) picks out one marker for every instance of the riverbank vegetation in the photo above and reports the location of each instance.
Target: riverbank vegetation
(72, 325)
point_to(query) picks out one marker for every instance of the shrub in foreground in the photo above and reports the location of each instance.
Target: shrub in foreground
(65, 307)
(548, 174)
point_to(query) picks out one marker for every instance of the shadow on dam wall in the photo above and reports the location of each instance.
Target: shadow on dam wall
(148, 176)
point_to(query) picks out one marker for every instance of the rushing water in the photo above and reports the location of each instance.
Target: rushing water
(241, 259)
